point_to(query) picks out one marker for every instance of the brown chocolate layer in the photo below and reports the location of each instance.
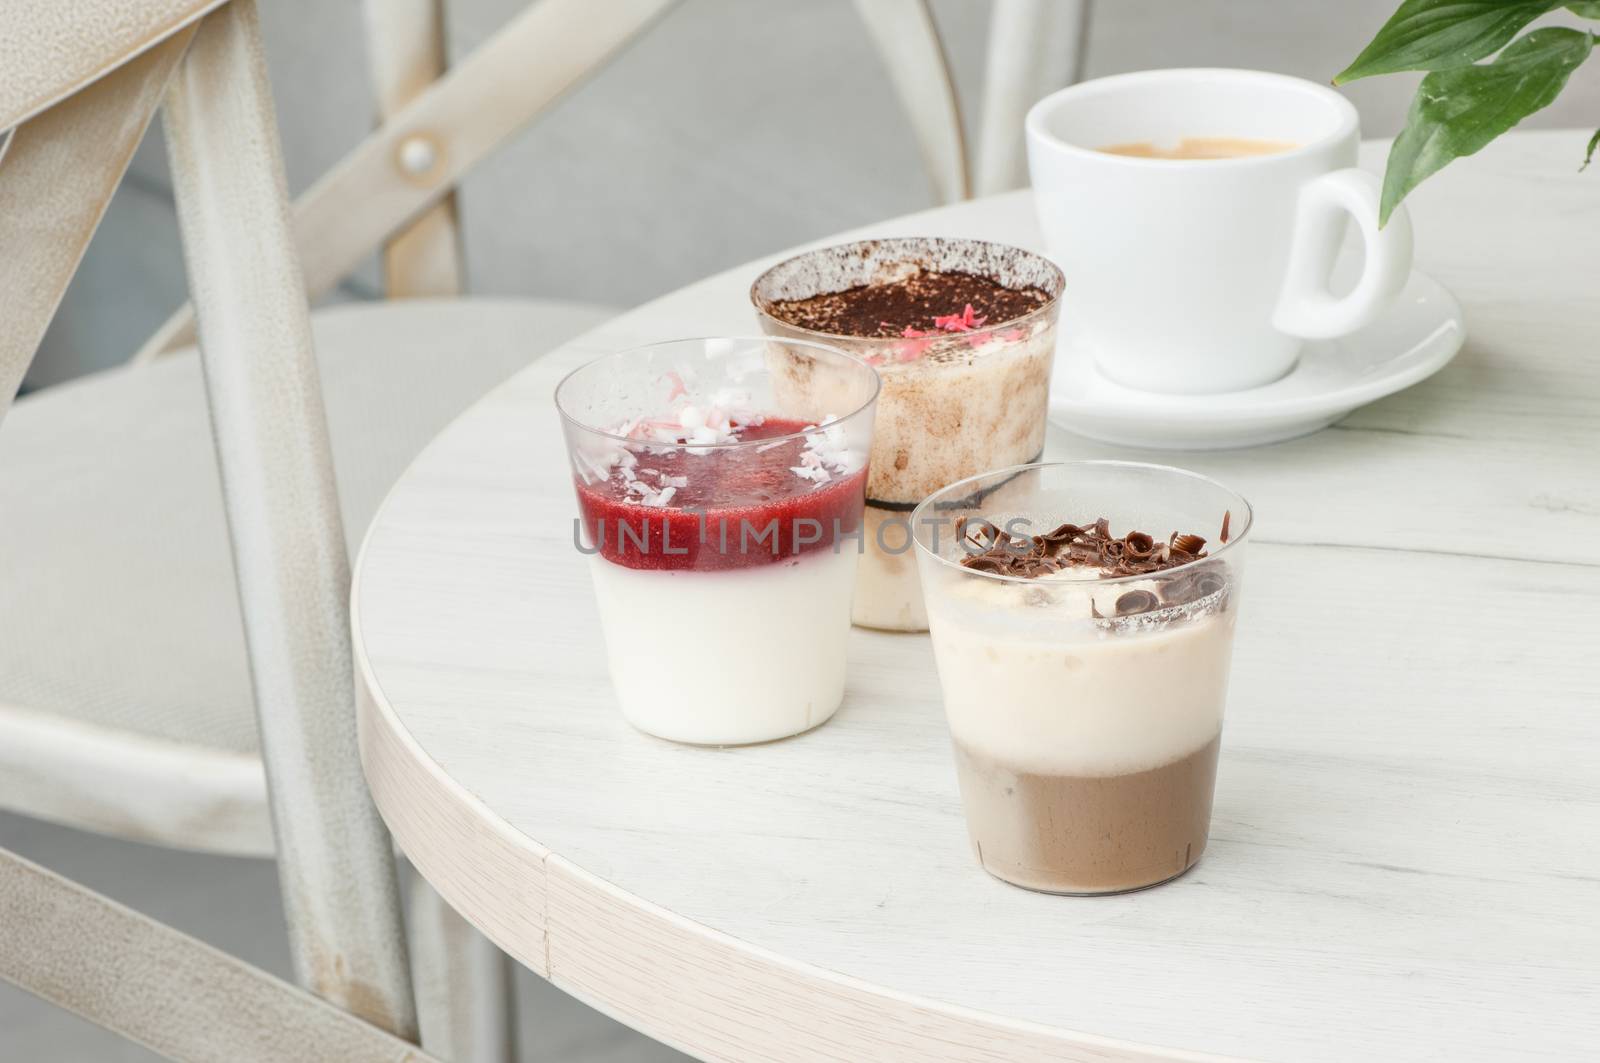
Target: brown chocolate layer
(1088, 834)
(918, 302)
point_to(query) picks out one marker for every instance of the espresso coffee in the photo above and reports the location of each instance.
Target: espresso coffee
(1202, 148)
(1072, 833)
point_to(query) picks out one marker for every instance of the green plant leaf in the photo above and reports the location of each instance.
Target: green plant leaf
(1586, 8)
(1441, 34)
(1588, 156)
(1456, 112)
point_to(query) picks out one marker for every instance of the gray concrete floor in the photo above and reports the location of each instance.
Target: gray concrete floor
(233, 903)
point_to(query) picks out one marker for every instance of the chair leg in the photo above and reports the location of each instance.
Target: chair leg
(335, 862)
(466, 998)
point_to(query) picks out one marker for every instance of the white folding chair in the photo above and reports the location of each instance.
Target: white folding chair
(65, 943)
(129, 702)
(126, 690)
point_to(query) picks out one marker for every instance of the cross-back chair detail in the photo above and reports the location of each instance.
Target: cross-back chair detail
(395, 189)
(406, 54)
(418, 155)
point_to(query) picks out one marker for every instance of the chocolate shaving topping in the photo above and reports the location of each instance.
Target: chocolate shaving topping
(1191, 586)
(1083, 553)
(1062, 535)
(1222, 536)
(1069, 545)
(1136, 602)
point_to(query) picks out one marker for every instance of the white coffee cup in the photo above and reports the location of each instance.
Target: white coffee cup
(1197, 276)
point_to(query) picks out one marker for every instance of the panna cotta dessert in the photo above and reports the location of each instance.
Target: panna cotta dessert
(963, 334)
(1084, 665)
(722, 523)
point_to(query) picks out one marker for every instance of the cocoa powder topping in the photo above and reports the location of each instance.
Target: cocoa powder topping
(923, 303)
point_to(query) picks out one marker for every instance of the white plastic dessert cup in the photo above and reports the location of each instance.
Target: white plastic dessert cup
(1085, 712)
(722, 519)
(953, 404)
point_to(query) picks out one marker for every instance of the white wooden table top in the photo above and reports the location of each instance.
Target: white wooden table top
(1404, 858)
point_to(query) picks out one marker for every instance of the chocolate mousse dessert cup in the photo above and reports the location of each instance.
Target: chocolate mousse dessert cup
(1082, 618)
(722, 516)
(963, 333)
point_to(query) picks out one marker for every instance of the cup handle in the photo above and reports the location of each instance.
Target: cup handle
(1306, 307)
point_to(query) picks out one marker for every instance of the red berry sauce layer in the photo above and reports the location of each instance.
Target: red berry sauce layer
(725, 507)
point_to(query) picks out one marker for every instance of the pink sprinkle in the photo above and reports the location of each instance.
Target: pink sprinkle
(677, 384)
(965, 321)
(915, 333)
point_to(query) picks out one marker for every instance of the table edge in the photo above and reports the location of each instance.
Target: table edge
(648, 966)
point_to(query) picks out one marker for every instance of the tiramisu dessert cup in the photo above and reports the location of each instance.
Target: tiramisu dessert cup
(722, 516)
(1082, 619)
(963, 333)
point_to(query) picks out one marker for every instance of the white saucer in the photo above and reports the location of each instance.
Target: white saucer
(1414, 339)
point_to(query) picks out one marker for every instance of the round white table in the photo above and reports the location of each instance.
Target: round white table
(1404, 858)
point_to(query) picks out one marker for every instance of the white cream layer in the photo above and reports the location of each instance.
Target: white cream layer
(1039, 695)
(727, 658)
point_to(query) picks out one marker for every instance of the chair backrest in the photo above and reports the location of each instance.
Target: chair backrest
(394, 190)
(63, 161)
(70, 136)
(415, 158)
(51, 50)
(1035, 46)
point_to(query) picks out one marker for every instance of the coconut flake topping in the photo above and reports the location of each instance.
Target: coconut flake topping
(824, 457)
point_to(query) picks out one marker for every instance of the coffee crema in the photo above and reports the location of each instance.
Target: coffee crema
(1201, 148)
